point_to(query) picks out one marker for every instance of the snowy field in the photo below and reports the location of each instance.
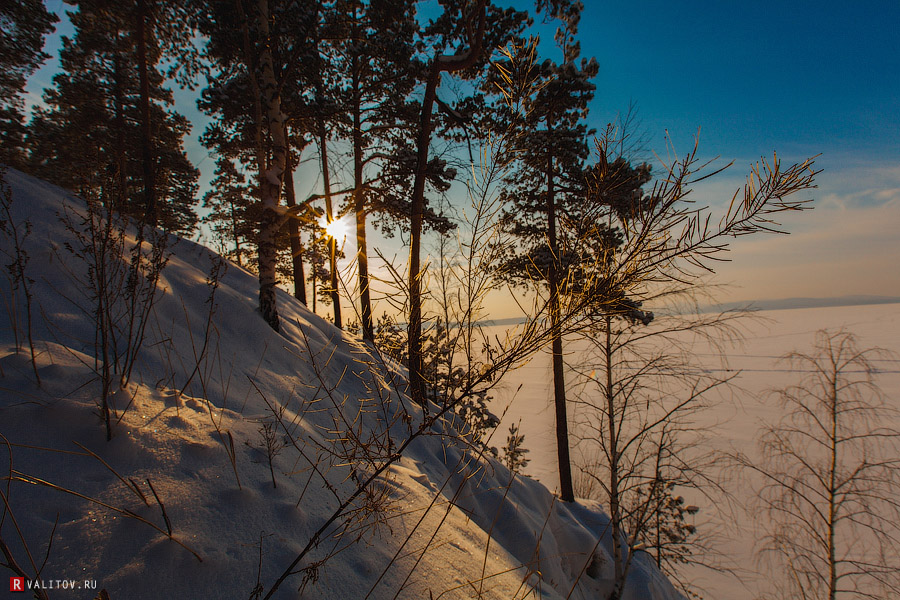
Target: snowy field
(734, 420)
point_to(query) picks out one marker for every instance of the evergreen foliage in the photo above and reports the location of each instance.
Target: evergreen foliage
(23, 25)
(458, 39)
(547, 196)
(378, 47)
(670, 532)
(254, 49)
(476, 421)
(514, 451)
(88, 138)
(230, 216)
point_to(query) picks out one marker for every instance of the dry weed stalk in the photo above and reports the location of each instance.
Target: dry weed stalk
(205, 359)
(217, 271)
(16, 475)
(30, 479)
(17, 233)
(8, 516)
(118, 288)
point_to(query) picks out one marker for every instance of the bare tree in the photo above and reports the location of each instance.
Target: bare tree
(830, 478)
(634, 249)
(637, 438)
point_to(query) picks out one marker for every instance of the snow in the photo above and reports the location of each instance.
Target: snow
(733, 422)
(442, 521)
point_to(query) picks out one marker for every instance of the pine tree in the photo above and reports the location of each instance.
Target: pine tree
(669, 535)
(459, 38)
(326, 108)
(229, 206)
(89, 137)
(231, 137)
(379, 49)
(23, 25)
(514, 451)
(547, 194)
(367, 70)
(254, 50)
(293, 225)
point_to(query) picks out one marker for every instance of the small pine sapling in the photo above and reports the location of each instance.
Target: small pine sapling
(669, 533)
(514, 451)
(271, 445)
(390, 340)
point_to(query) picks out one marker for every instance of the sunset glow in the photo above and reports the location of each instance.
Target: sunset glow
(337, 229)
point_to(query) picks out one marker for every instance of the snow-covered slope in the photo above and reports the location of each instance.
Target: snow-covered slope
(440, 522)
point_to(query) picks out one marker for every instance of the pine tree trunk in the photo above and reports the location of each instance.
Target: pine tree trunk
(449, 64)
(234, 231)
(294, 235)
(613, 454)
(260, 149)
(329, 216)
(147, 158)
(566, 490)
(121, 155)
(359, 202)
(326, 182)
(417, 209)
(270, 180)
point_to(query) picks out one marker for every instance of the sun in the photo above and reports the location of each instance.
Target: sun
(337, 229)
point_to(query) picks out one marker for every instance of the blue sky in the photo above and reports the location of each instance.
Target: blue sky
(804, 77)
(799, 78)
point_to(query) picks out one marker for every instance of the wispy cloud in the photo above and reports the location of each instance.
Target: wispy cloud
(849, 243)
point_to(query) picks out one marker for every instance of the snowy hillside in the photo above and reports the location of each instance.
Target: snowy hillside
(182, 502)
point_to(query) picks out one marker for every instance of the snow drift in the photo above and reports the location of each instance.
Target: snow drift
(183, 501)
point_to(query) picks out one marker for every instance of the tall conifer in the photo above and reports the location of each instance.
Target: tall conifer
(547, 191)
(23, 25)
(90, 134)
(461, 40)
(254, 49)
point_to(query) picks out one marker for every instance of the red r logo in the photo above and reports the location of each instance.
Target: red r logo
(17, 584)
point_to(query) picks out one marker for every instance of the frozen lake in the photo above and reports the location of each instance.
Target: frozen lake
(733, 420)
